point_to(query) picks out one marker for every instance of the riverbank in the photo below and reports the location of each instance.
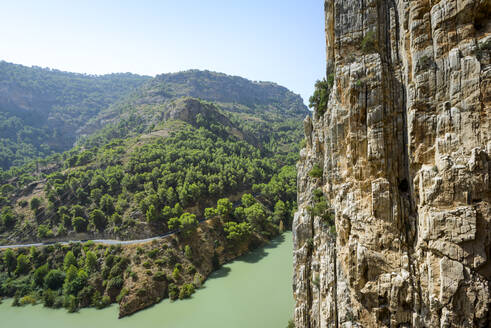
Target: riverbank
(252, 291)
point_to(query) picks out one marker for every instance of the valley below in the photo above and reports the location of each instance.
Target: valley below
(169, 178)
(252, 291)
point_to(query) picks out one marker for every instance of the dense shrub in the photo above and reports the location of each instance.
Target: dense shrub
(35, 203)
(159, 276)
(54, 279)
(115, 283)
(173, 291)
(186, 291)
(23, 265)
(316, 171)
(39, 275)
(153, 253)
(49, 298)
(318, 101)
(369, 43)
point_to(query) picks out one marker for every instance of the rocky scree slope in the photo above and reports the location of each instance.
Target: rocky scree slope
(401, 152)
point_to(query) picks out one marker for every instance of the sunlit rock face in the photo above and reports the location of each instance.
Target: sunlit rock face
(405, 144)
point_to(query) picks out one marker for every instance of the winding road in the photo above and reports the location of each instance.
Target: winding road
(100, 241)
(109, 241)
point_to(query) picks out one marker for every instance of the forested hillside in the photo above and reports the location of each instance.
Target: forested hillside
(258, 96)
(219, 176)
(154, 155)
(41, 109)
(130, 181)
(262, 103)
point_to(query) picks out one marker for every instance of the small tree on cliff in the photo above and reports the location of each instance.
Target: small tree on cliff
(318, 101)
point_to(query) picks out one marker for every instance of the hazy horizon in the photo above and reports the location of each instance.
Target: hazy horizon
(277, 41)
(152, 76)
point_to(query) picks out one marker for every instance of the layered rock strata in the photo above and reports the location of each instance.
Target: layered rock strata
(404, 145)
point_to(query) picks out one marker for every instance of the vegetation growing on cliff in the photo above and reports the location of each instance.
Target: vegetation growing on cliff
(318, 101)
(369, 43)
(316, 171)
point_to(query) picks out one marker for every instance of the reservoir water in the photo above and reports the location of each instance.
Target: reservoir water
(255, 291)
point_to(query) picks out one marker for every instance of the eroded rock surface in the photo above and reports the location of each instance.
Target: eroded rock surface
(405, 146)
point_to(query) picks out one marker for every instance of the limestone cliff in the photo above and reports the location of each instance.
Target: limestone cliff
(404, 146)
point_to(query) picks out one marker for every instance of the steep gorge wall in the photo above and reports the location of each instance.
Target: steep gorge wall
(405, 146)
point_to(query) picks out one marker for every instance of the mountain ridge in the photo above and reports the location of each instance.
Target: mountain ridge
(45, 111)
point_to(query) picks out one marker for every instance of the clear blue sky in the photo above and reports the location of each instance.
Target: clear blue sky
(269, 40)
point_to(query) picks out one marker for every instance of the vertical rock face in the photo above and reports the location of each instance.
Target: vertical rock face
(405, 145)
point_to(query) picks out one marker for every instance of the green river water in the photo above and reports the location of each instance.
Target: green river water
(253, 291)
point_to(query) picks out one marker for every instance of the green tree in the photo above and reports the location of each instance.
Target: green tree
(186, 223)
(75, 280)
(280, 211)
(107, 204)
(175, 273)
(77, 210)
(35, 203)
(44, 231)
(66, 220)
(81, 195)
(34, 256)
(171, 196)
(177, 210)
(98, 182)
(39, 275)
(91, 262)
(173, 291)
(54, 279)
(23, 265)
(79, 223)
(71, 303)
(316, 171)
(237, 231)
(210, 212)
(166, 212)
(98, 218)
(225, 209)
(7, 219)
(9, 260)
(96, 195)
(318, 101)
(96, 299)
(186, 291)
(248, 200)
(116, 219)
(152, 214)
(239, 213)
(49, 298)
(69, 260)
(256, 216)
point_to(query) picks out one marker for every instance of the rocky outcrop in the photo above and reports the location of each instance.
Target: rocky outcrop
(200, 113)
(404, 146)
